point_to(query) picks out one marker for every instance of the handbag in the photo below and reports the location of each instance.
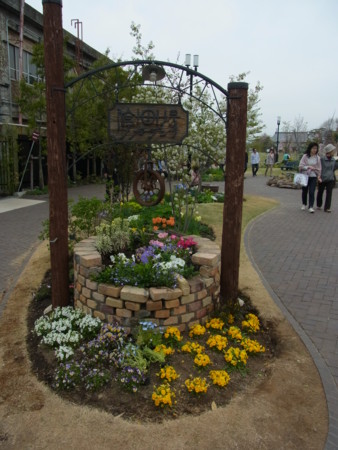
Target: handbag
(301, 179)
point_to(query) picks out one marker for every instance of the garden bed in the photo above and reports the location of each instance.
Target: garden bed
(138, 406)
(191, 301)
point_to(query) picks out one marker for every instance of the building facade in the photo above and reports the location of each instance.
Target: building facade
(18, 35)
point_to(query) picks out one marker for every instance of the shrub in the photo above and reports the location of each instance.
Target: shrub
(113, 237)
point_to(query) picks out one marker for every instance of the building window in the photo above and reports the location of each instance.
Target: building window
(29, 69)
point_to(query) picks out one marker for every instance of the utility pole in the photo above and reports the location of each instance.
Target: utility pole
(56, 145)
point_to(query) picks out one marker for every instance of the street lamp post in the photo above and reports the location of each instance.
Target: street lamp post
(187, 63)
(277, 143)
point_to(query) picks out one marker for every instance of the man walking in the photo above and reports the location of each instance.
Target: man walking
(254, 161)
(327, 180)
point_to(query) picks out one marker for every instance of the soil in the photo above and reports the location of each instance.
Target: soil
(279, 405)
(117, 401)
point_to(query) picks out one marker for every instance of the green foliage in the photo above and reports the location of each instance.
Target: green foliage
(9, 158)
(113, 237)
(152, 356)
(254, 122)
(148, 335)
(85, 216)
(38, 191)
(155, 265)
(213, 175)
(140, 275)
(208, 196)
(132, 356)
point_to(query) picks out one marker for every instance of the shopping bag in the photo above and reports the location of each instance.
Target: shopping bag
(301, 179)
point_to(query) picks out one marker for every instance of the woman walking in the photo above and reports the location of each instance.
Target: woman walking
(310, 165)
(270, 161)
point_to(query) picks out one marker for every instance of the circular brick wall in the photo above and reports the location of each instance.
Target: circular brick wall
(191, 302)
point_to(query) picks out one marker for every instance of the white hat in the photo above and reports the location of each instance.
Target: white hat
(329, 148)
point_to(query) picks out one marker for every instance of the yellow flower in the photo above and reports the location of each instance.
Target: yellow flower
(196, 385)
(173, 334)
(219, 377)
(169, 373)
(252, 346)
(215, 324)
(202, 360)
(236, 357)
(251, 323)
(163, 348)
(197, 330)
(217, 341)
(235, 333)
(192, 347)
(231, 319)
(163, 395)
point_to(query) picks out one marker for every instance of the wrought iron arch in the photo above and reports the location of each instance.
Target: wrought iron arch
(133, 78)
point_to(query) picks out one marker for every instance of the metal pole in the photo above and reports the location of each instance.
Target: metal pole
(56, 154)
(24, 170)
(233, 192)
(277, 143)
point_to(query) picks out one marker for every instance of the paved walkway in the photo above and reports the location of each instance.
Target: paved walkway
(20, 225)
(296, 255)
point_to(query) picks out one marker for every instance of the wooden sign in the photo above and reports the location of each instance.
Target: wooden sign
(148, 123)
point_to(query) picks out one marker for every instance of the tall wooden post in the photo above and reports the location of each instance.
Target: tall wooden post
(56, 144)
(233, 192)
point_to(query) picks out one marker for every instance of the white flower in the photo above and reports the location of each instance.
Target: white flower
(122, 257)
(64, 352)
(134, 217)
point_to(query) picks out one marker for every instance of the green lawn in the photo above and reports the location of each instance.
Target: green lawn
(253, 206)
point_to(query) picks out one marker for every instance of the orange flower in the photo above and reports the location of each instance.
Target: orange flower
(154, 220)
(164, 225)
(164, 220)
(155, 228)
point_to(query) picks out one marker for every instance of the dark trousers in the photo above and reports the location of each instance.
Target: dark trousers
(254, 169)
(310, 188)
(328, 185)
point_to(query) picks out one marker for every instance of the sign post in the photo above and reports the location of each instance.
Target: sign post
(233, 192)
(56, 145)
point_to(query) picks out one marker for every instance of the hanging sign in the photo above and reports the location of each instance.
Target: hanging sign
(148, 123)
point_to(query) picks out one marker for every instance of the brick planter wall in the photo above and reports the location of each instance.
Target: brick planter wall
(191, 302)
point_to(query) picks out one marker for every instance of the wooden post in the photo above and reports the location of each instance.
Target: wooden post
(233, 192)
(56, 144)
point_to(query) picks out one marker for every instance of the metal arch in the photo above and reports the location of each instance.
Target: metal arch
(183, 90)
(143, 63)
(198, 98)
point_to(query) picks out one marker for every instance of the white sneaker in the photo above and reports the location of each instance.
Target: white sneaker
(311, 210)
(303, 208)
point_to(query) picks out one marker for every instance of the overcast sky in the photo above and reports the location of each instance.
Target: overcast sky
(290, 46)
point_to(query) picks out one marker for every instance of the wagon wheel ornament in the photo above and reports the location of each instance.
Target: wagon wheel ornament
(148, 186)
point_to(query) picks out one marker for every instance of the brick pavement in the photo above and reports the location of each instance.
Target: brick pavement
(19, 231)
(296, 255)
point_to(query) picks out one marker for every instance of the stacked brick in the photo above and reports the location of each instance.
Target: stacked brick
(189, 303)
